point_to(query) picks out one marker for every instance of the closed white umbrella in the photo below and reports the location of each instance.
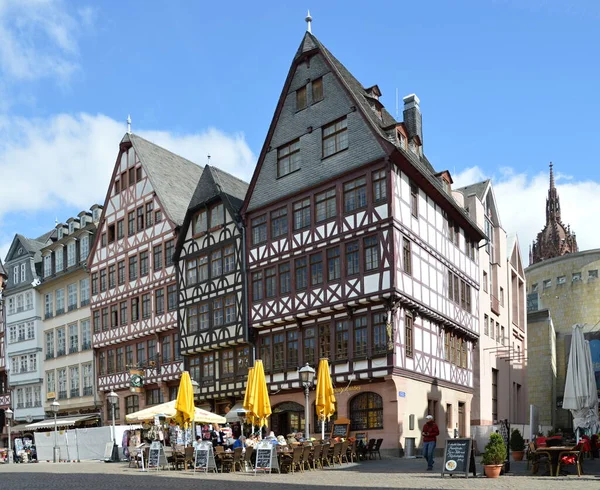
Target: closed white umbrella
(580, 394)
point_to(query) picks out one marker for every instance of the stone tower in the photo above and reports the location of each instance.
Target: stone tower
(555, 239)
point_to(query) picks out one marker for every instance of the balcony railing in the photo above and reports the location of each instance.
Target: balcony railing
(73, 349)
(87, 390)
(60, 311)
(49, 355)
(60, 352)
(74, 392)
(47, 315)
(85, 302)
(62, 395)
(72, 307)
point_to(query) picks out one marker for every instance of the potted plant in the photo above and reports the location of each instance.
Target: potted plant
(517, 445)
(494, 456)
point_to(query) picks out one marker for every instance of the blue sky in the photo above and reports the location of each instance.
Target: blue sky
(506, 86)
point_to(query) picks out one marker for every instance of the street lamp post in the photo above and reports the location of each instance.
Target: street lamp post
(113, 399)
(307, 375)
(196, 390)
(54, 407)
(9, 415)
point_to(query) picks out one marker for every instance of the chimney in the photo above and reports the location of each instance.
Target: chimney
(412, 117)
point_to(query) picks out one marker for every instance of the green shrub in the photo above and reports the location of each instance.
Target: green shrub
(517, 443)
(495, 450)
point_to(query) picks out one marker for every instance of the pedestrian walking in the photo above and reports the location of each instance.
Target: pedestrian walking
(430, 433)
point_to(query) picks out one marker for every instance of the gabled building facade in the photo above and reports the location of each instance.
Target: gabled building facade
(24, 326)
(351, 257)
(134, 291)
(212, 296)
(4, 391)
(500, 356)
(67, 328)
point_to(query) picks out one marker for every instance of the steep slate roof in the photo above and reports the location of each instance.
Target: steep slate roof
(2, 270)
(174, 178)
(384, 127)
(213, 182)
(478, 189)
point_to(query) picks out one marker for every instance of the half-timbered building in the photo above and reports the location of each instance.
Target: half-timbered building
(210, 257)
(357, 252)
(4, 392)
(134, 291)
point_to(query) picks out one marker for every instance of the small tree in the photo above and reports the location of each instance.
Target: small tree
(517, 443)
(495, 450)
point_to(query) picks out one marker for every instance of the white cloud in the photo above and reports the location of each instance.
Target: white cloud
(522, 203)
(68, 160)
(38, 39)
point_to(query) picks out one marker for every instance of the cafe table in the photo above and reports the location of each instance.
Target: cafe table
(554, 452)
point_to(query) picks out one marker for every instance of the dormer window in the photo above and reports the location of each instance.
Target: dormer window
(71, 227)
(60, 233)
(401, 140)
(96, 214)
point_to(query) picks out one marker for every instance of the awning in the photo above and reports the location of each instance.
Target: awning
(232, 415)
(61, 422)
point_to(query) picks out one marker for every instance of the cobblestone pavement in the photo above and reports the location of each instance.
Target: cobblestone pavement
(386, 473)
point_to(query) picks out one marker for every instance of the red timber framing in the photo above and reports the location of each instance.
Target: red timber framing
(209, 258)
(134, 289)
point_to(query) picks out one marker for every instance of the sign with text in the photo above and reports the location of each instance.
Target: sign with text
(459, 458)
(156, 456)
(204, 458)
(266, 458)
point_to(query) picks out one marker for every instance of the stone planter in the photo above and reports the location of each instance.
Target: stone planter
(518, 455)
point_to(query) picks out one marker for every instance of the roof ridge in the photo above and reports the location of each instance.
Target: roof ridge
(165, 149)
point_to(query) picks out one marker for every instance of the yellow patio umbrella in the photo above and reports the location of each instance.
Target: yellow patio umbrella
(325, 398)
(249, 396)
(261, 408)
(184, 405)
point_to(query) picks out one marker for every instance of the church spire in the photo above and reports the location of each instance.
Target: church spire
(555, 239)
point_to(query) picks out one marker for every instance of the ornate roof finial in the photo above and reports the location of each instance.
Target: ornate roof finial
(208, 159)
(128, 124)
(308, 20)
(551, 177)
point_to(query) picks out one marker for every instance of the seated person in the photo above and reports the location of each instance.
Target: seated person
(239, 442)
(197, 442)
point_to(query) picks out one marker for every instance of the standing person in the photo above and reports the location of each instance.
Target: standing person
(430, 433)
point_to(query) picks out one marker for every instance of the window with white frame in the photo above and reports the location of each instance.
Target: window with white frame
(84, 247)
(11, 306)
(23, 272)
(28, 300)
(32, 362)
(86, 335)
(58, 260)
(20, 303)
(74, 380)
(21, 329)
(12, 334)
(23, 364)
(48, 305)
(60, 232)
(50, 345)
(20, 403)
(14, 365)
(71, 254)
(72, 296)
(28, 396)
(217, 215)
(50, 382)
(47, 265)
(37, 396)
(86, 370)
(84, 291)
(71, 227)
(73, 338)
(62, 383)
(60, 301)
(16, 274)
(30, 330)
(60, 342)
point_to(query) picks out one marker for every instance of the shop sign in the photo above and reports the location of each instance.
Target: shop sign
(349, 388)
(136, 380)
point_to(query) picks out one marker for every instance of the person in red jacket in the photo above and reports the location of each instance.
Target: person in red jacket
(430, 433)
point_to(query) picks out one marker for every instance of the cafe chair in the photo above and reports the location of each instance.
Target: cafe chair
(344, 452)
(573, 457)
(237, 460)
(375, 450)
(538, 458)
(351, 453)
(366, 454)
(248, 459)
(188, 458)
(315, 458)
(337, 453)
(297, 459)
(306, 457)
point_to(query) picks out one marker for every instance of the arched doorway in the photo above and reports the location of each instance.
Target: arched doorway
(287, 417)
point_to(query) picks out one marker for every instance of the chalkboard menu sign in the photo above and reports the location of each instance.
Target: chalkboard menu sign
(459, 458)
(266, 458)
(108, 449)
(204, 457)
(156, 456)
(340, 428)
